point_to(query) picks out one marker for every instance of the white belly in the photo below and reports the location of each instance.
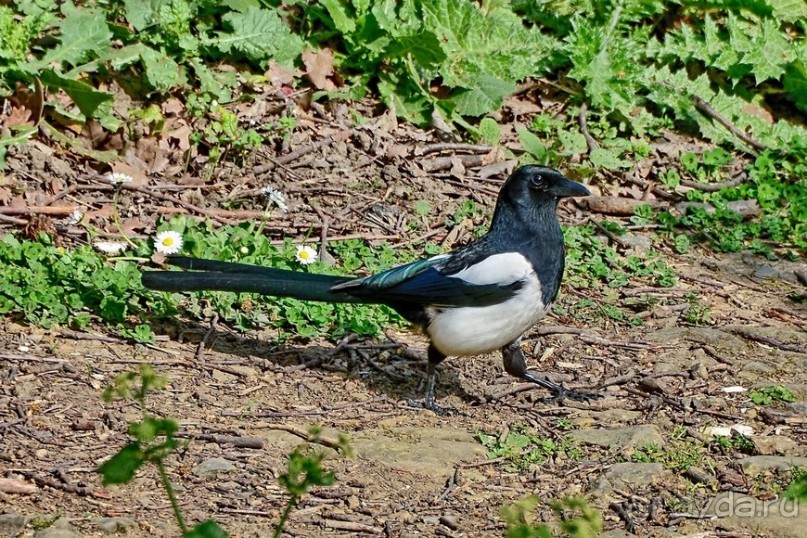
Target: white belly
(482, 329)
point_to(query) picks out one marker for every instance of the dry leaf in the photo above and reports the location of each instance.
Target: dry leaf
(319, 66)
(281, 76)
(172, 106)
(138, 175)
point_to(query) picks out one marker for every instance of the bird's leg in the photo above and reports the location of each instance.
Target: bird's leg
(435, 358)
(515, 365)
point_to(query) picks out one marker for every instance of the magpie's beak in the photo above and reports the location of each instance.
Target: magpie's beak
(568, 188)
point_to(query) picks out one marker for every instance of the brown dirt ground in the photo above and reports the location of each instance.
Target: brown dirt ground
(415, 474)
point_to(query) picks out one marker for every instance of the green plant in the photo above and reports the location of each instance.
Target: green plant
(798, 485)
(697, 313)
(577, 519)
(768, 395)
(520, 448)
(304, 471)
(153, 441)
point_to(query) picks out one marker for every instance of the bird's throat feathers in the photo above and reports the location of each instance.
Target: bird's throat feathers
(533, 230)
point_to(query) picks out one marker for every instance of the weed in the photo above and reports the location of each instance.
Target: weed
(577, 518)
(521, 448)
(697, 313)
(768, 395)
(153, 440)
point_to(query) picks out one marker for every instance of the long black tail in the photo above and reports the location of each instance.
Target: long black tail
(239, 277)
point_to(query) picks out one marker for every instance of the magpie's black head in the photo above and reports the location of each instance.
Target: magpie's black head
(539, 186)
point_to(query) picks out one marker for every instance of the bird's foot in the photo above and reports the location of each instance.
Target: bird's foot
(560, 392)
(568, 394)
(431, 405)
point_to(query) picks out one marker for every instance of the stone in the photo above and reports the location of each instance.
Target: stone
(213, 466)
(776, 445)
(117, 525)
(757, 465)
(429, 451)
(748, 515)
(631, 476)
(61, 528)
(620, 438)
(12, 524)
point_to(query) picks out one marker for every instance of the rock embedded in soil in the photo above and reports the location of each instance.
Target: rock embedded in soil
(777, 445)
(620, 438)
(757, 465)
(12, 524)
(116, 525)
(61, 528)
(213, 466)
(744, 514)
(429, 451)
(631, 476)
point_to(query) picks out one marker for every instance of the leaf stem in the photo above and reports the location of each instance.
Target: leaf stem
(169, 489)
(285, 517)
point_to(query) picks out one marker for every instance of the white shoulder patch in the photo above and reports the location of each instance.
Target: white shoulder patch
(504, 269)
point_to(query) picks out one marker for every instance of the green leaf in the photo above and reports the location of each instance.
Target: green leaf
(84, 34)
(206, 529)
(789, 10)
(87, 98)
(572, 142)
(338, 12)
(121, 468)
(485, 95)
(259, 35)
(771, 53)
(532, 144)
(490, 131)
(606, 158)
(161, 71)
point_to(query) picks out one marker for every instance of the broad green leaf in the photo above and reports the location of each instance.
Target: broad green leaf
(260, 35)
(572, 142)
(606, 158)
(121, 468)
(490, 131)
(795, 84)
(338, 12)
(532, 144)
(424, 48)
(87, 98)
(84, 34)
(485, 96)
(161, 71)
(771, 53)
(789, 10)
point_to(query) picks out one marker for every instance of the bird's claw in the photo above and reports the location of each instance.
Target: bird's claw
(431, 405)
(563, 393)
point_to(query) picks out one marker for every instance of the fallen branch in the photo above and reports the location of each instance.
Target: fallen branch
(707, 109)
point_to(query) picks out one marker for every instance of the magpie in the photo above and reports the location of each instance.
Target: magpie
(479, 298)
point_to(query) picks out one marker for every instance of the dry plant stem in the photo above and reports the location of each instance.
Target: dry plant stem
(714, 187)
(707, 109)
(116, 220)
(583, 123)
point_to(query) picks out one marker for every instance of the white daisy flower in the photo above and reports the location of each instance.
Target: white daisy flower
(117, 178)
(75, 217)
(305, 254)
(110, 247)
(168, 242)
(276, 197)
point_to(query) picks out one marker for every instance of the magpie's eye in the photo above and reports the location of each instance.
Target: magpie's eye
(537, 181)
